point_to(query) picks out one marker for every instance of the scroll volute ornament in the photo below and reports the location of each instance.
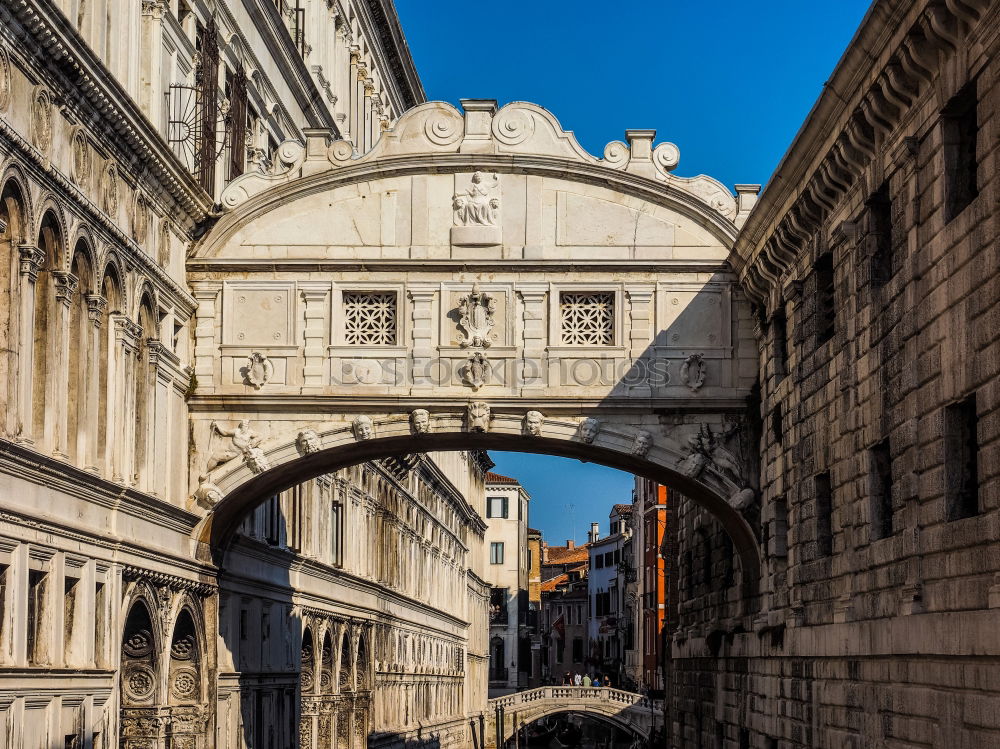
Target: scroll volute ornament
(477, 310)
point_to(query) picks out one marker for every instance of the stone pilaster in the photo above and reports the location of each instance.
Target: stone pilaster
(316, 299)
(424, 352)
(640, 339)
(533, 366)
(57, 377)
(31, 259)
(206, 350)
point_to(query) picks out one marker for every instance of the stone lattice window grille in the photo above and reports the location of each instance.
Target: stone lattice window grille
(370, 318)
(587, 318)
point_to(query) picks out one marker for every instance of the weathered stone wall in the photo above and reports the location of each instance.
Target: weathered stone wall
(878, 626)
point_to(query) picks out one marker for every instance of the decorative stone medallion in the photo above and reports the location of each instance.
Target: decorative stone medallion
(259, 370)
(693, 372)
(139, 683)
(184, 684)
(140, 218)
(109, 189)
(139, 644)
(476, 371)
(41, 119)
(4, 80)
(81, 157)
(477, 311)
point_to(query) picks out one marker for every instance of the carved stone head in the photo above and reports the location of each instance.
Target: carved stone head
(363, 428)
(208, 495)
(643, 443)
(589, 428)
(477, 417)
(533, 423)
(420, 420)
(308, 442)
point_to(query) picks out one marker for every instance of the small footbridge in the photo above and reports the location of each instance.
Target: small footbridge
(629, 711)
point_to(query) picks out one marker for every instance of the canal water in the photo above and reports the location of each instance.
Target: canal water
(582, 732)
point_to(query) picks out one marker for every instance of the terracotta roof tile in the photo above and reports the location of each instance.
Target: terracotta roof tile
(496, 478)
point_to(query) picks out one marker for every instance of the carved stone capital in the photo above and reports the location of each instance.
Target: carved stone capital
(154, 8)
(97, 305)
(65, 286)
(127, 332)
(31, 261)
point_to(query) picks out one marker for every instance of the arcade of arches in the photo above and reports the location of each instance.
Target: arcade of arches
(244, 417)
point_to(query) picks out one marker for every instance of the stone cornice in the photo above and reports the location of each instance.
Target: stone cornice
(392, 43)
(274, 34)
(890, 60)
(44, 470)
(65, 52)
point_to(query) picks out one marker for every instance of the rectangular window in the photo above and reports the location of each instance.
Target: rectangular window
(496, 552)
(496, 507)
(779, 342)
(37, 584)
(588, 318)
(881, 490)
(599, 561)
(959, 133)
(337, 534)
(577, 650)
(880, 234)
(961, 459)
(824, 515)
(370, 318)
(826, 308)
(777, 424)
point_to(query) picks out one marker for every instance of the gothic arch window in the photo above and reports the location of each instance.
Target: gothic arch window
(185, 678)
(306, 679)
(45, 324)
(78, 428)
(363, 681)
(344, 681)
(139, 658)
(108, 364)
(326, 680)
(11, 235)
(145, 387)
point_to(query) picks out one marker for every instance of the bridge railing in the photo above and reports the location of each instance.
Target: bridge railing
(571, 694)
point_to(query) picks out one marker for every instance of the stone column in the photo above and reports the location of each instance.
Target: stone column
(150, 75)
(121, 404)
(206, 351)
(96, 308)
(31, 259)
(533, 365)
(158, 421)
(57, 377)
(423, 363)
(315, 297)
(640, 340)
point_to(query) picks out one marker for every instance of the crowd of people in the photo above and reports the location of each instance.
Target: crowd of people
(576, 679)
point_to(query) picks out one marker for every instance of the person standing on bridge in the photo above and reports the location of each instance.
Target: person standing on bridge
(606, 682)
(586, 680)
(568, 679)
(597, 682)
(577, 680)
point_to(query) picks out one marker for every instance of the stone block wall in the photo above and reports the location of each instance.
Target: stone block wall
(875, 275)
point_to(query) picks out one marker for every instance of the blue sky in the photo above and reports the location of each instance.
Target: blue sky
(728, 82)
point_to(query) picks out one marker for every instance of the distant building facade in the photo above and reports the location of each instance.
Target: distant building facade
(565, 607)
(506, 547)
(609, 626)
(654, 556)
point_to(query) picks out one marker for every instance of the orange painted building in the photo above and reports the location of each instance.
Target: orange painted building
(655, 559)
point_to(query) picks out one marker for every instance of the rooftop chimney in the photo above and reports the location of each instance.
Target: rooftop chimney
(570, 543)
(545, 553)
(595, 532)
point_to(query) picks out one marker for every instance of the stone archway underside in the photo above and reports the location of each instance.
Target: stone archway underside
(475, 281)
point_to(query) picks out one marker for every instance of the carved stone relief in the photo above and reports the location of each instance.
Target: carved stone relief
(4, 80)
(363, 428)
(477, 311)
(476, 371)
(140, 219)
(693, 372)
(642, 444)
(533, 421)
(589, 428)
(109, 189)
(420, 421)
(477, 417)
(258, 370)
(245, 442)
(720, 450)
(477, 209)
(81, 157)
(308, 442)
(41, 120)
(208, 495)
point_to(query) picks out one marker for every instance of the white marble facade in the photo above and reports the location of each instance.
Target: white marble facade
(229, 269)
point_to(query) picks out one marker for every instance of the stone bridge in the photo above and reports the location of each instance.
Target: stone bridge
(631, 712)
